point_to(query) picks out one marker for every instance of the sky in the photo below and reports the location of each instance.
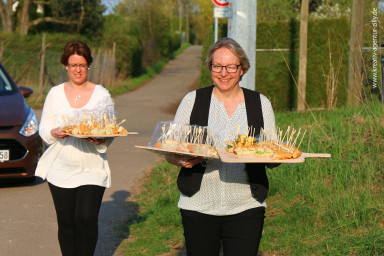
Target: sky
(109, 4)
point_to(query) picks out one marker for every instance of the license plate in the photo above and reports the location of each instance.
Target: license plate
(4, 155)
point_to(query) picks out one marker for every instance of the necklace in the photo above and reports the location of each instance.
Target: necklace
(77, 97)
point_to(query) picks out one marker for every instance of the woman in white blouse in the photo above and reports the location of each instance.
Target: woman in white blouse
(76, 169)
(222, 204)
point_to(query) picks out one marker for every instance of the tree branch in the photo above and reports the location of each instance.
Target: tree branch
(53, 20)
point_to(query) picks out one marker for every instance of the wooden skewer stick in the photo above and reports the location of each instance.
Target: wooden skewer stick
(163, 135)
(294, 142)
(121, 122)
(286, 132)
(302, 138)
(253, 135)
(63, 117)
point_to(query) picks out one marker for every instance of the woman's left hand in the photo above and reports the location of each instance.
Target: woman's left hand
(96, 141)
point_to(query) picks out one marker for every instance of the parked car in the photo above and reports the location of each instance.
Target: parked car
(20, 143)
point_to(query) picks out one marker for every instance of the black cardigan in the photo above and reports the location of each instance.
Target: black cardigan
(189, 179)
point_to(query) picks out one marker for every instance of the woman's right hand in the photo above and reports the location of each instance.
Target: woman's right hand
(56, 133)
(183, 161)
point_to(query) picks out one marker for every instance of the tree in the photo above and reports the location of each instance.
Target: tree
(72, 15)
(151, 21)
(202, 18)
(187, 6)
(7, 15)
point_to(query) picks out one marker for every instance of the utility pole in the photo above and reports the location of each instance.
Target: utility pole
(242, 28)
(302, 86)
(355, 44)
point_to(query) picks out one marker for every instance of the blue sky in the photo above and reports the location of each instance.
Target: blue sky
(109, 4)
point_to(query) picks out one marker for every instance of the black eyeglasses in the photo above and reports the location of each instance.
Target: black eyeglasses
(230, 68)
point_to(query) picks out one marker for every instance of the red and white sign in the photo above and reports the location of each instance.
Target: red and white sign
(221, 3)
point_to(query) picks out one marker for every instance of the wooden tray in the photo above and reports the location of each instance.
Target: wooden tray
(100, 136)
(166, 152)
(232, 158)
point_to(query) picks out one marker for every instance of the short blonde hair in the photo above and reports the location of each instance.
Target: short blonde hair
(234, 47)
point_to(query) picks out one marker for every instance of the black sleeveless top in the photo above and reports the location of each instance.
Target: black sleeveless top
(189, 179)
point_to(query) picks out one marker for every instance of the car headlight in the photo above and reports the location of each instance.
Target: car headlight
(30, 126)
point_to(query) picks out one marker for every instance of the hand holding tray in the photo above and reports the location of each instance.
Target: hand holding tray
(99, 135)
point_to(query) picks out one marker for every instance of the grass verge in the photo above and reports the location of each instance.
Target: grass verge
(330, 206)
(156, 228)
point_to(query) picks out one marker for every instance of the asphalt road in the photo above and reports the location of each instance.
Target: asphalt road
(27, 216)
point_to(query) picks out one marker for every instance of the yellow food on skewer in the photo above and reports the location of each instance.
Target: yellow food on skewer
(248, 146)
(92, 127)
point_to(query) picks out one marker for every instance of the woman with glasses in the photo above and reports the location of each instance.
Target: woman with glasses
(76, 169)
(222, 204)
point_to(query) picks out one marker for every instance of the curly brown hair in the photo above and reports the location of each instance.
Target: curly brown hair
(76, 47)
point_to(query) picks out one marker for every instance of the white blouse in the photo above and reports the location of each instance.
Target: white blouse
(225, 188)
(72, 162)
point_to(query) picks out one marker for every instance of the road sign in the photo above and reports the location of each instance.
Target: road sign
(221, 3)
(220, 12)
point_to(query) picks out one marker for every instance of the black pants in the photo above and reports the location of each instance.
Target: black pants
(77, 212)
(239, 234)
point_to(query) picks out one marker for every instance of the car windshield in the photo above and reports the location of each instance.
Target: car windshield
(5, 85)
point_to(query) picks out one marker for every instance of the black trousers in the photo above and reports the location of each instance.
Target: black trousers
(239, 234)
(77, 211)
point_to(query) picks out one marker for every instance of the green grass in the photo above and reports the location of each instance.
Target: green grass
(325, 206)
(156, 228)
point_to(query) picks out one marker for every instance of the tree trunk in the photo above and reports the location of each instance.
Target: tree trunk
(82, 15)
(6, 15)
(24, 18)
(303, 56)
(355, 56)
(180, 16)
(187, 24)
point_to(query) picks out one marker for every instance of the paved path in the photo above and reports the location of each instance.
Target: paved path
(27, 216)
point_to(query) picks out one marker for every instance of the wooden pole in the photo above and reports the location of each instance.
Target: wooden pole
(42, 66)
(302, 85)
(355, 56)
(187, 24)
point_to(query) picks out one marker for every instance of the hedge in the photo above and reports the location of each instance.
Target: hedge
(277, 71)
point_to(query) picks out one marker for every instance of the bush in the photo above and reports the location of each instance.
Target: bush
(129, 52)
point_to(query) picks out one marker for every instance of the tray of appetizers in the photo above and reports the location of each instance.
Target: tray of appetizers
(228, 157)
(195, 150)
(91, 126)
(249, 149)
(199, 141)
(172, 138)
